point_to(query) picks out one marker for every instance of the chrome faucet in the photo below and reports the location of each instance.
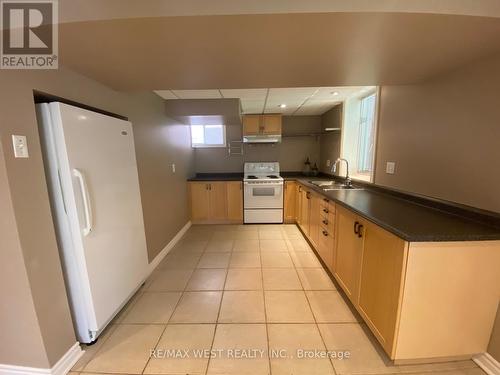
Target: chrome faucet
(348, 181)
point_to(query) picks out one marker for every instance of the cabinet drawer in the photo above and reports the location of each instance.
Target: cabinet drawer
(327, 221)
(325, 247)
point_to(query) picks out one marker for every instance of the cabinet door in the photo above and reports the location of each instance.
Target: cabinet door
(289, 203)
(217, 201)
(271, 124)
(234, 201)
(349, 252)
(198, 192)
(298, 204)
(325, 246)
(304, 211)
(314, 219)
(252, 124)
(380, 286)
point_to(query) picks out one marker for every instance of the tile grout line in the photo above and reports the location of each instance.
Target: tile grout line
(170, 317)
(218, 311)
(265, 309)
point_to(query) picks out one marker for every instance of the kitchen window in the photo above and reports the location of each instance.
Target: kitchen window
(359, 135)
(208, 136)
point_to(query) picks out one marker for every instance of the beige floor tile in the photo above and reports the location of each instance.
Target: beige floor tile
(458, 367)
(91, 350)
(127, 350)
(170, 280)
(153, 307)
(287, 307)
(128, 306)
(225, 227)
(248, 227)
(273, 227)
(329, 307)
(244, 279)
(214, 260)
(219, 246)
(242, 307)
(299, 244)
(249, 338)
(292, 338)
(248, 259)
(192, 338)
(281, 279)
(315, 279)
(197, 307)
(225, 235)
(270, 235)
(305, 260)
(207, 279)
(246, 245)
(247, 235)
(179, 260)
(276, 260)
(186, 246)
(273, 245)
(366, 357)
(198, 235)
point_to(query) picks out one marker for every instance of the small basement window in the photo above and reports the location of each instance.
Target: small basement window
(359, 135)
(208, 136)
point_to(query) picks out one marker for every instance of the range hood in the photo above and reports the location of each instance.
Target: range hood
(262, 138)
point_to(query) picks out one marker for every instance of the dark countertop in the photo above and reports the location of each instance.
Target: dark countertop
(410, 220)
(217, 177)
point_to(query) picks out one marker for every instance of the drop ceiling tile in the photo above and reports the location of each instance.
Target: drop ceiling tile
(252, 106)
(249, 94)
(166, 94)
(197, 94)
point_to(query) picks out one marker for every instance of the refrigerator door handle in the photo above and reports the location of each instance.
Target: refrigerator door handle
(86, 202)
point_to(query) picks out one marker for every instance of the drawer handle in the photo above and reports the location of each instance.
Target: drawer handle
(308, 195)
(325, 222)
(325, 210)
(325, 233)
(356, 227)
(326, 200)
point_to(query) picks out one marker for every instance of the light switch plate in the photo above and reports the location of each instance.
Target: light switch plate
(390, 167)
(328, 163)
(173, 168)
(20, 146)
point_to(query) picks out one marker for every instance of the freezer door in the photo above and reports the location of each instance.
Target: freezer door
(100, 186)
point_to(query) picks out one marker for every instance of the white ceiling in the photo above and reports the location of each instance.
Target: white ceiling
(299, 101)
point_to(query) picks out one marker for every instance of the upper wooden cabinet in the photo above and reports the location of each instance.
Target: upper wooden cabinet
(261, 124)
(216, 202)
(290, 201)
(234, 201)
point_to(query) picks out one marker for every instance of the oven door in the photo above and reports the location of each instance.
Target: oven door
(263, 195)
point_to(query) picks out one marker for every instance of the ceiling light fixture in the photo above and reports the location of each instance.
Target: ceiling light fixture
(282, 106)
(335, 93)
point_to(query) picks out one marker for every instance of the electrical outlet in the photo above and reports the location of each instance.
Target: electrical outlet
(173, 168)
(390, 167)
(20, 146)
(328, 163)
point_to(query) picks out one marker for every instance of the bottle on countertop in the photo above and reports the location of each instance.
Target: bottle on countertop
(315, 170)
(307, 167)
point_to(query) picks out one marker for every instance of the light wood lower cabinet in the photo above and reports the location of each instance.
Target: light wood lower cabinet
(234, 201)
(380, 286)
(216, 202)
(290, 201)
(349, 251)
(305, 209)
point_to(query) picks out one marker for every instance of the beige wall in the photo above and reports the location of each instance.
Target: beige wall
(159, 142)
(291, 152)
(22, 342)
(444, 136)
(330, 141)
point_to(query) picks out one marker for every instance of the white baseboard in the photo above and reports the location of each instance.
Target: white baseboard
(489, 364)
(62, 367)
(154, 263)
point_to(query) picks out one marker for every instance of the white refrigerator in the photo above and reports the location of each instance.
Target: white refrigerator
(96, 205)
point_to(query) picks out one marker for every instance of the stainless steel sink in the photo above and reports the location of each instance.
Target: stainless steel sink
(330, 185)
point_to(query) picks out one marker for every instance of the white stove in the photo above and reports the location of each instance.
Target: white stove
(263, 193)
